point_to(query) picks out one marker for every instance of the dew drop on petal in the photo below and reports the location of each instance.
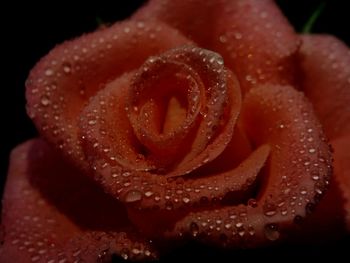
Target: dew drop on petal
(133, 196)
(194, 229)
(271, 232)
(45, 101)
(49, 72)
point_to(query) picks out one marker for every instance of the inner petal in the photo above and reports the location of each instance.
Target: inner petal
(175, 115)
(163, 108)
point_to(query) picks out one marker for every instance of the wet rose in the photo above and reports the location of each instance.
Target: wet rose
(163, 128)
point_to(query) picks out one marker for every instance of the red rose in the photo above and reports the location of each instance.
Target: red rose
(179, 124)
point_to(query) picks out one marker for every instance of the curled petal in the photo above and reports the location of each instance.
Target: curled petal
(325, 63)
(128, 144)
(298, 173)
(60, 85)
(200, 193)
(42, 224)
(254, 38)
(197, 79)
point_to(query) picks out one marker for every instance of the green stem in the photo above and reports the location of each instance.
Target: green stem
(316, 14)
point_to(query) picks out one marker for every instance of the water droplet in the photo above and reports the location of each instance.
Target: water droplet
(223, 39)
(45, 101)
(34, 91)
(92, 122)
(186, 200)
(251, 231)
(220, 61)
(227, 226)
(35, 258)
(315, 177)
(271, 232)
(194, 229)
(238, 35)
(312, 150)
(136, 251)
(76, 253)
(239, 224)
(148, 194)
(140, 24)
(14, 242)
(241, 232)
(49, 72)
(310, 207)
(124, 254)
(127, 30)
(67, 68)
(263, 14)
(126, 174)
(42, 251)
(270, 211)
(133, 196)
(169, 205)
(252, 202)
(303, 192)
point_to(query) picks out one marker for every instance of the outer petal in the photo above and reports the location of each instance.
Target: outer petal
(51, 213)
(62, 82)
(297, 174)
(342, 172)
(332, 215)
(254, 38)
(325, 63)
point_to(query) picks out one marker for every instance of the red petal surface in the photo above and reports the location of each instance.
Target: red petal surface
(254, 38)
(123, 140)
(325, 63)
(62, 82)
(201, 193)
(52, 213)
(298, 173)
(155, 122)
(342, 172)
(332, 215)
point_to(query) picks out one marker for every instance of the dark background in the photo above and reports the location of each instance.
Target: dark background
(30, 30)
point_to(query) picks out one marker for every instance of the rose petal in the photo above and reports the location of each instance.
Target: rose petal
(332, 215)
(117, 149)
(209, 84)
(106, 130)
(254, 38)
(62, 82)
(283, 118)
(325, 63)
(52, 212)
(237, 150)
(342, 172)
(200, 193)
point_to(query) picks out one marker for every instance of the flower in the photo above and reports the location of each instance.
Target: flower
(156, 130)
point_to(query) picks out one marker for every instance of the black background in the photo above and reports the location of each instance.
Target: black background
(30, 30)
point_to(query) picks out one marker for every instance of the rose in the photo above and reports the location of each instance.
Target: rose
(58, 95)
